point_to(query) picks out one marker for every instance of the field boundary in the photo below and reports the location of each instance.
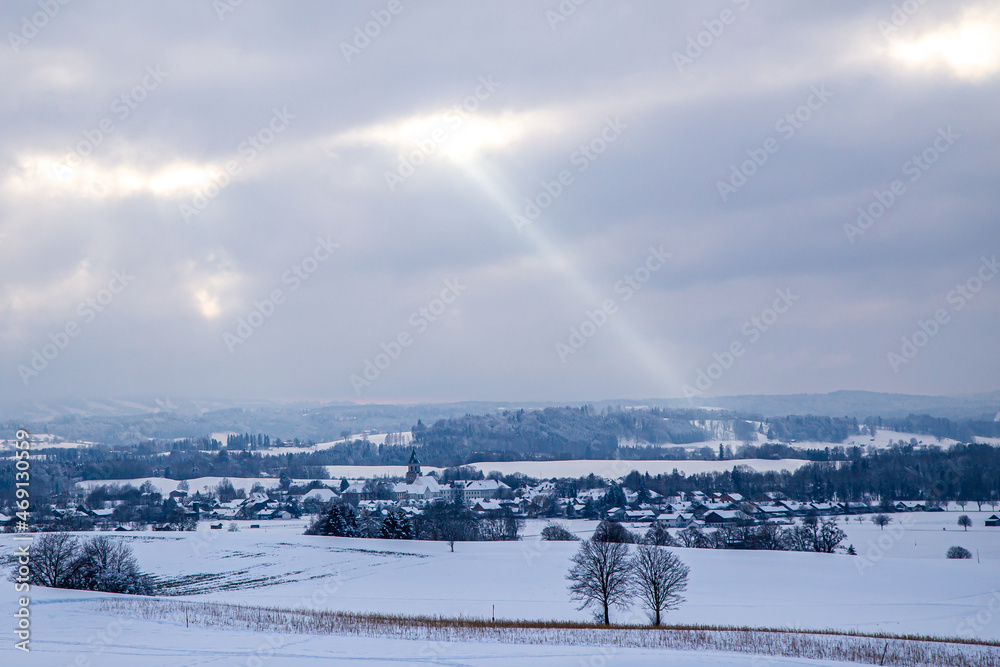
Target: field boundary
(859, 648)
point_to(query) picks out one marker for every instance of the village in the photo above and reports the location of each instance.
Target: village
(125, 507)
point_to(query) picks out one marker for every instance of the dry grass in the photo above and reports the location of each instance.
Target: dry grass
(872, 649)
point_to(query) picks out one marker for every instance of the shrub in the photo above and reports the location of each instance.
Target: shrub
(959, 552)
(659, 536)
(556, 532)
(612, 531)
(98, 564)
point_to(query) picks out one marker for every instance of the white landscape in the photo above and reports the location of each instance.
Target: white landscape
(900, 583)
(526, 333)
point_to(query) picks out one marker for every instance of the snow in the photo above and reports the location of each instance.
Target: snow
(66, 631)
(881, 440)
(900, 583)
(874, 591)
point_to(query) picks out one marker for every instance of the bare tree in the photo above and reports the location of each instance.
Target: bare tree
(55, 560)
(964, 521)
(60, 560)
(659, 578)
(881, 520)
(601, 576)
(829, 537)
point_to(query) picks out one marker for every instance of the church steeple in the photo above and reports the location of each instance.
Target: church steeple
(413, 469)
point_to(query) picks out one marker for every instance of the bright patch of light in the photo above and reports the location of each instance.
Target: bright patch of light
(213, 284)
(457, 135)
(207, 304)
(89, 179)
(969, 47)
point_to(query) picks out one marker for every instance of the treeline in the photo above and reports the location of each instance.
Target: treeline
(811, 428)
(439, 521)
(560, 432)
(940, 427)
(813, 534)
(964, 472)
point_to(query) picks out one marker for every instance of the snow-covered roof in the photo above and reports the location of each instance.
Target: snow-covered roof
(322, 495)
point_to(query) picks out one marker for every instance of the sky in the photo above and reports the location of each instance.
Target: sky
(396, 201)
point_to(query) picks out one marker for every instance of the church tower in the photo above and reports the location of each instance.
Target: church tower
(413, 469)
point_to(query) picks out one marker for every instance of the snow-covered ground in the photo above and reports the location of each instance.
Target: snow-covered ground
(44, 440)
(900, 583)
(69, 633)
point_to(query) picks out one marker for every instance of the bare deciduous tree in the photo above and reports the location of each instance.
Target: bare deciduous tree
(881, 520)
(601, 576)
(964, 521)
(55, 560)
(659, 579)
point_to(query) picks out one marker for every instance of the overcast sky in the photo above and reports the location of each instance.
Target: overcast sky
(416, 201)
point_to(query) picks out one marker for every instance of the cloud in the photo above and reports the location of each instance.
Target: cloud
(416, 153)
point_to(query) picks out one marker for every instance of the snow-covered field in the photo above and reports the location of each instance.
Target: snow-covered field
(899, 583)
(68, 633)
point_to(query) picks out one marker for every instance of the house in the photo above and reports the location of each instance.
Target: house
(480, 489)
(725, 517)
(487, 507)
(422, 488)
(320, 495)
(732, 498)
(355, 493)
(993, 521)
(909, 506)
(639, 515)
(770, 512)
